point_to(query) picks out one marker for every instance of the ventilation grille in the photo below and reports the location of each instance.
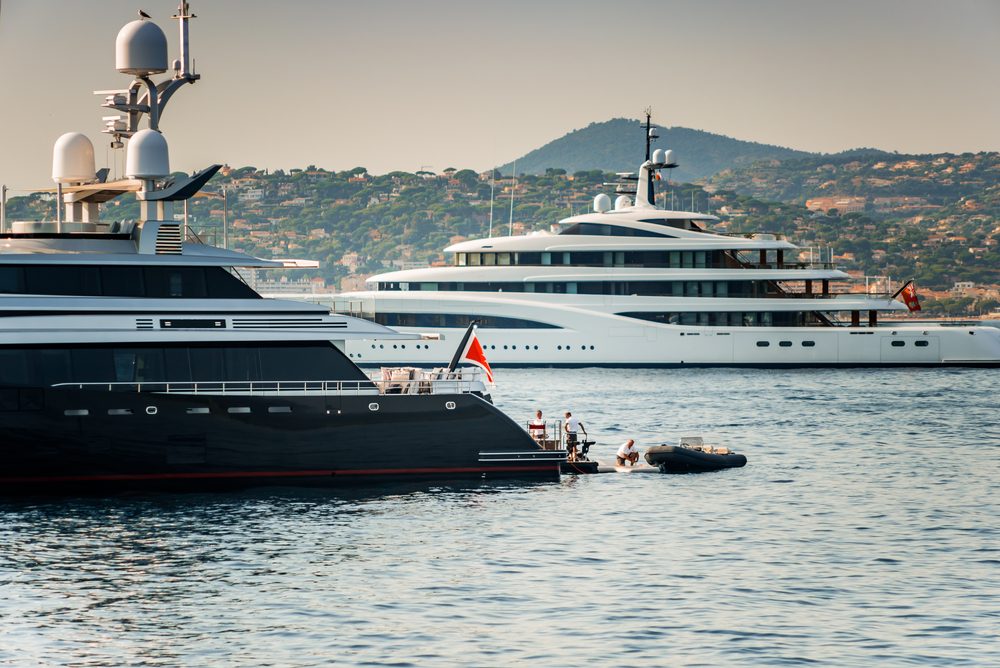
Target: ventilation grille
(144, 323)
(290, 323)
(168, 239)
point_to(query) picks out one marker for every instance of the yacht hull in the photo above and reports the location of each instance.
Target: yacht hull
(596, 344)
(59, 440)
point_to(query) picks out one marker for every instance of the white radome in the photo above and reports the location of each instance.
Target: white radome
(602, 203)
(659, 157)
(141, 49)
(147, 156)
(73, 159)
(622, 202)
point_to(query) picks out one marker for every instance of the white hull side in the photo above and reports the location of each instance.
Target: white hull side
(669, 345)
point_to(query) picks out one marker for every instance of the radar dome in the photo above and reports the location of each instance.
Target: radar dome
(141, 49)
(146, 156)
(602, 203)
(622, 202)
(73, 159)
(658, 157)
(668, 157)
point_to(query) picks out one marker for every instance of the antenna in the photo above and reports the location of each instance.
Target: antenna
(513, 188)
(493, 178)
(650, 136)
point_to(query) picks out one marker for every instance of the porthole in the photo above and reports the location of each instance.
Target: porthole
(450, 405)
(119, 411)
(151, 410)
(763, 344)
(381, 345)
(898, 344)
(785, 344)
(373, 346)
(583, 347)
(373, 406)
(76, 412)
(808, 344)
(279, 409)
(591, 347)
(513, 347)
(536, 347)
(558, 347)
(921, 344)
(198, 410)
(238, 409)
(505, 347)
(394, 346)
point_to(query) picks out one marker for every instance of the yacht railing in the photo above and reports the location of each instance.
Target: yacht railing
(291, 387)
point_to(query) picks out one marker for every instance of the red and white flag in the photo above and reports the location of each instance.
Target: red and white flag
(474, 354)
(909, 296)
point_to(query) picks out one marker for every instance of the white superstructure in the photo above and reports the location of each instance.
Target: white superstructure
(639, 285)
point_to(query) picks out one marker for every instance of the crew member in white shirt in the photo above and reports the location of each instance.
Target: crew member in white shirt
(628, 453)
(571, 426)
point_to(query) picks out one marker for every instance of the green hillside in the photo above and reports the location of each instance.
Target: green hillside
(618, 145)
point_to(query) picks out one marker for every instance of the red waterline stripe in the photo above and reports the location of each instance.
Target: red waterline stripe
(270, 474)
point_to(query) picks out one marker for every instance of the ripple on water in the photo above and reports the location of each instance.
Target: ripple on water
(853, 537)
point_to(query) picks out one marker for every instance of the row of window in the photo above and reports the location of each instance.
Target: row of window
(457, 320)
(40, 367)
(739, 289)
(601, 230)
(123, 281)
(786, 344)
(668, 259)
(730, 318)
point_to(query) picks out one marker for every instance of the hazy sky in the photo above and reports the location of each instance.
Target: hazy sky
(392, 84)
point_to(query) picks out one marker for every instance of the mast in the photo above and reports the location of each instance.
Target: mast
(650, 136)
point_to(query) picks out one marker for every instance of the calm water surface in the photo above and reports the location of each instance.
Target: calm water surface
(864, 530)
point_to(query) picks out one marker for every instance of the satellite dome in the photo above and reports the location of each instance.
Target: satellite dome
(622, 202)
(602, 203)
(146, 156)
(658, 157)
(73, 159)
(141, 49)
(668, 157)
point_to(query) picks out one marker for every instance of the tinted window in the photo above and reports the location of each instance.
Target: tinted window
(174, 282)
(922, 344)
(123, 281)
(785, 344)
(11, 280)
(763, 344)
(808, 344)
(220, 284)
(56, 280)
(14, 367)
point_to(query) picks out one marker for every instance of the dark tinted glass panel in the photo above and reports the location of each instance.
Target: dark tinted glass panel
(55, 280)
(242, 364)
(175, 282)
(93, 365)
(307, 362)
(457, 320)
(220, 284)
(898, 344)
(123, 281)
(808, 344)
(11, 280)
(763, 344)
(53, 366)
(206, 364)
(785, 344)
(922, 344)
(177, 365)
(14, 369)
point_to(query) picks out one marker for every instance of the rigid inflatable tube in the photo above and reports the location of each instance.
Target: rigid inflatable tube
(675, 458)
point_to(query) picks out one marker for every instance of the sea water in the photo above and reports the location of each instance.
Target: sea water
(864, 530)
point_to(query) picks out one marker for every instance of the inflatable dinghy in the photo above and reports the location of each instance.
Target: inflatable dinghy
(693, 457)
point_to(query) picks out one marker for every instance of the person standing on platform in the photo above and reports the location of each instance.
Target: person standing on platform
(571, 426)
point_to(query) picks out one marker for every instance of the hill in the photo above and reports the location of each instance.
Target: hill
(618, 146)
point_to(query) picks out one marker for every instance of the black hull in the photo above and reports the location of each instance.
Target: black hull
(674, 459)
(58, 440)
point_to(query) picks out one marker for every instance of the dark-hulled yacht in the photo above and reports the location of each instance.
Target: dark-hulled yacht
(132, 355)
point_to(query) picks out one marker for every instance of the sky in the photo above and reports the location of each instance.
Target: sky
(408, 84)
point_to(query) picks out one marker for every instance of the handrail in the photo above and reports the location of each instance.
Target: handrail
(307, 387)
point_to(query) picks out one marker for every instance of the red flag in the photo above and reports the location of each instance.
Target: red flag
(474, 354)
(909, 295)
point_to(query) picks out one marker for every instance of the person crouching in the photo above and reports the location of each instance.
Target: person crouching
(627, 453)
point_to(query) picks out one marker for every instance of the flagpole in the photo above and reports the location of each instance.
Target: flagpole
(461, 346)
(896, 294)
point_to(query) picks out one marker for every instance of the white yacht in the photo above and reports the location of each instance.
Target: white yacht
(637, 285)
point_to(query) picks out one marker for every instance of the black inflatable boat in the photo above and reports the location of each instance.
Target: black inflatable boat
(679, 459)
